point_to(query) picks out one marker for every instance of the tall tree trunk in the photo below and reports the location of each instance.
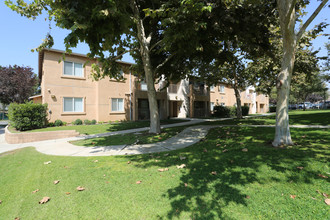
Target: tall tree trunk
(287, 23)
(238, 102)
(145, 54)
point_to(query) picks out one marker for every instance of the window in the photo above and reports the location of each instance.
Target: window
(117, 105)
(222, 89)
(73, 69)
(73, 104)
(144, 86)
(222, 104)
(212, 106)
(212, 88)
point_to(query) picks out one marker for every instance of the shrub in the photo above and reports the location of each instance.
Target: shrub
(27, 116)
(221, 111)
(245, 110)
(110, 122)
(58, 123)
(64, 123)
(272, 109)
(232, 111)
(93, 122)
(100, 122)
(50, 124)
(87, 122)
(77, 122)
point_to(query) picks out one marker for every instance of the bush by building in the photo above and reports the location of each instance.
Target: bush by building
(58, 123)
(77, 122)
(227, 112)
(27, 116)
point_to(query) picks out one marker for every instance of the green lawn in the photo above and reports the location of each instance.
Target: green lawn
(138, 138)
(256, 184)
(297, 117)
(103, 128)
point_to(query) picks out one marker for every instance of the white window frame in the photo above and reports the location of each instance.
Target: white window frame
(73, 108)
(112, 105)
(212, 88)
(221, 90)
(143, 84)
(73, 69)
(212, 106)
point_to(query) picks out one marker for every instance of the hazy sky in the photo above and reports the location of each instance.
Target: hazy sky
(19, 35)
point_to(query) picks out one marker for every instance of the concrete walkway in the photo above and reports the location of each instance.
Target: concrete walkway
(187, 137)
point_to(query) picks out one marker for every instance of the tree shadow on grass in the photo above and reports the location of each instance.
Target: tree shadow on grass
(218, 171)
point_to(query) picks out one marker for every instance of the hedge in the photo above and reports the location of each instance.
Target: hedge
(227, 112)
(27, 116)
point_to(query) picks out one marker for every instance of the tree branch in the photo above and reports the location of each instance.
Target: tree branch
(287, 17)
(164, 62)
(155, 45)
(310, 19)
(126, 51)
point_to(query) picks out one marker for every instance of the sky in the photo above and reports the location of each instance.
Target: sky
(19, 35)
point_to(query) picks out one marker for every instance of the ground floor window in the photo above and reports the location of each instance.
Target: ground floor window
(117, 105)
(71, 104)
(211, 106)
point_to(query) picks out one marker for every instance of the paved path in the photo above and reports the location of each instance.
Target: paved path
(187, 137)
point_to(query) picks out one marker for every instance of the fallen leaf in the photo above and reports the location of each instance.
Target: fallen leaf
(214, 172)
(182, 158)
(318, 191)
(162, 170)
(218, 145)
(66, 167)
(0, 201)
(159, 138)
(17, 218)
(231, 161)
(158, 157)
(80, 188)
(181, 166)
(303, 136)
(35, 191)
(293, 196)
(185, 184)
(325, 177)
(247, 197)
(241, 143)
(93, 143)
(205, 150)
(95, 161)
(314, 198)
(44, 200)
(325, 195)
(68, 193)
(128, 162)
(300, 168)
(225, 150)
(327, 201)
(156, 160)
(56, 182)
(48, 162)
(138, 182)
(166, 155)
(245, 150)
(228, 132)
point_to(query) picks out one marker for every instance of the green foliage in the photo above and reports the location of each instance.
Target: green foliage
(221, 111)
(77, 122)
(228, 111)
(58, 123)
(51, 124)
(93, 122)
(87, 122)
(27, 116)
(272, 109)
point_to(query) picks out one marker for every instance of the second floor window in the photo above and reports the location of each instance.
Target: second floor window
(212, 88)
(71, 104)
(117, 105)
(222, 89)
(144, 86)
(73, 69)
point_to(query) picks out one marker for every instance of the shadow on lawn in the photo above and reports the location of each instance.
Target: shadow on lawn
(206, 195)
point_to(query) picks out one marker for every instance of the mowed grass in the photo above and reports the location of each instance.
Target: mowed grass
(132, 138)
(296, 117)
(103, 128)
(220, 181)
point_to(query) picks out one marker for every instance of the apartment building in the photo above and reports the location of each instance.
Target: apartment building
(71, 93)
(223, 94)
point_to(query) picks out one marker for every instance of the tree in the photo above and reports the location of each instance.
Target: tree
(17, 84)
(111, 29)
(287, 16)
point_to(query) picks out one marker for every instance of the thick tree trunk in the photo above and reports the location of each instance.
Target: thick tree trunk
(287, 23)
(238, 102)
(145, 54)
